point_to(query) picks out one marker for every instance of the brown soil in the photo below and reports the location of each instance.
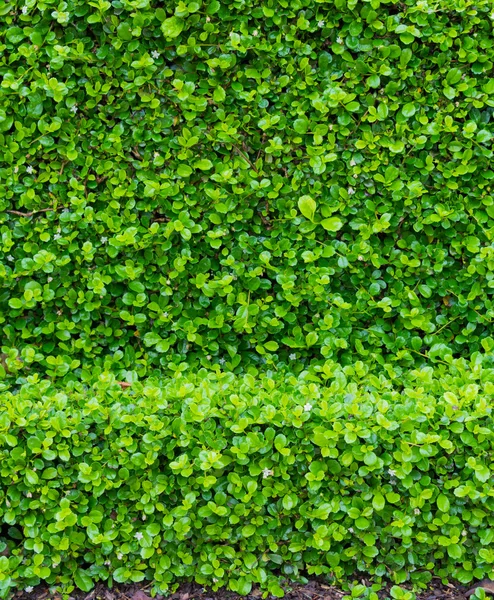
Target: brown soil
(314, 590)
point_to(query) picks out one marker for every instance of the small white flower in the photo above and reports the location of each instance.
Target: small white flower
(168, 281)
(104, 239)
(208, 19)
(352, 163)
(416, 511)
(360, 257)
(292, 356)
(339, 40)
(119, 556)
(16, 169)
(355, 175)
(49, 279)
(222, 361)
(308, 407)
(24, 12)
(392, 472)
(165, 314)
(74, 108)
(29, 495)
(10, 257)
(155, 54)
(350, 529)
(144, 517)
(29, 589)
(208, 356)
(29, 169)
(156, 155)
(267, 473)
(464, 533)
(57, 236)
(351, 191)
(320, 24)
(107, 563)
(255, 33)
(138, 535)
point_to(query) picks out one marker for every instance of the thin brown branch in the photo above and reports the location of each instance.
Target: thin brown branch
(29, 214)
(245, 157)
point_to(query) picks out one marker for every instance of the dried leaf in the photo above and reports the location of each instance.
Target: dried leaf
(140, 595)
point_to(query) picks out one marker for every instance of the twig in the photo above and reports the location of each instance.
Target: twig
(28, 214)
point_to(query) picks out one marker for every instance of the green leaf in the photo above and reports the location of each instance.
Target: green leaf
(382, 111)
(332, 224)
(307, 206)
(124, 31)
(271, 346)
(204, 164)
(301, 125)
(378, 502)
(443, 503)
(374, 81)
(31, 477)
(83, 581)
(425, 290)
(455, 551)
(15, 303)
(288, 502)
(172, 27)
(219, 94)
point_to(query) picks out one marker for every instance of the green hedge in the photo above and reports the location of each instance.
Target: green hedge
(234, 480)
(244, 181)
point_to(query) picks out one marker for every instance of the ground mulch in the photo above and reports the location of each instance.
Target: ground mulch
(314, 590)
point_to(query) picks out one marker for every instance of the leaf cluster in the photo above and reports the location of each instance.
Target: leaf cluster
(235, 480)
(186, 184)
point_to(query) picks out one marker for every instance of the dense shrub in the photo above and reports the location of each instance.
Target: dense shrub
(234, 480)
(244, 180)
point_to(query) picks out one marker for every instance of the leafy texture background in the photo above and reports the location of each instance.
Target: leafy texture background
(248, 480)
(246, 276)
(246, 181)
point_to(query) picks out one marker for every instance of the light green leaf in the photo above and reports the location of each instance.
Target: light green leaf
(172, 27)
(204, 164)
(443, 503)
(332, 224)
(307, 206)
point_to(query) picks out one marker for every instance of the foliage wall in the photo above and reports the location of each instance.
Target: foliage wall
(242, 480)
(255, 184)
